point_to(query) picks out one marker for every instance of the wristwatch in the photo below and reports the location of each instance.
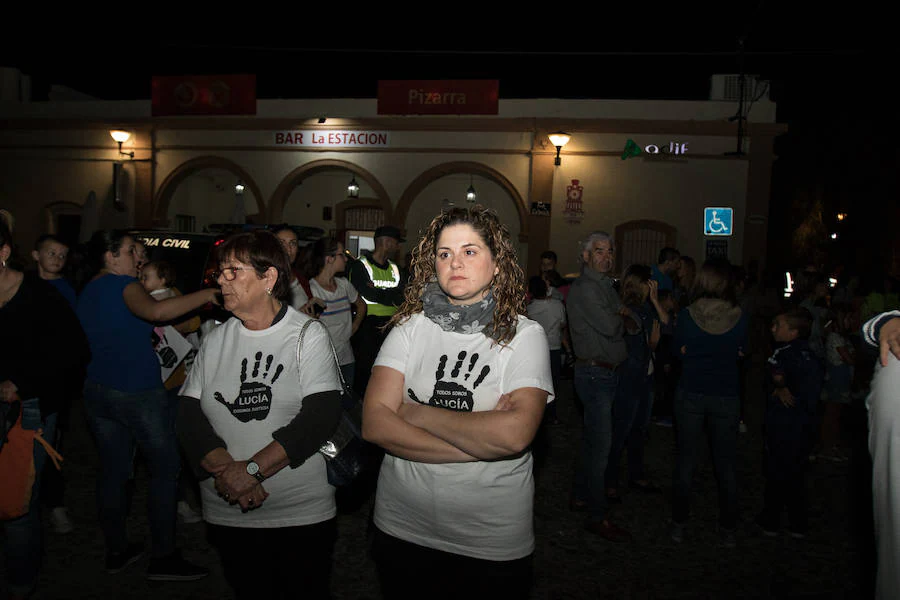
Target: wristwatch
(253, 469)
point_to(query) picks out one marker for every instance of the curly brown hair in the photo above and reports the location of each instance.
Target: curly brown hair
(508, 287)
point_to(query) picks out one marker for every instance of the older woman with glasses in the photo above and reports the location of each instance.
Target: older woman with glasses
(254, 412)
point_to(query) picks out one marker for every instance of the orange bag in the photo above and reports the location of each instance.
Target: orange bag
(17, 468)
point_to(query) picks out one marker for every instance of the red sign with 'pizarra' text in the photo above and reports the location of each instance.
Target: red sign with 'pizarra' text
(439, 97)
(204, 95)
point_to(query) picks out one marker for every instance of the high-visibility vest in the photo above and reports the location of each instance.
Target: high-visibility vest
(384, 279)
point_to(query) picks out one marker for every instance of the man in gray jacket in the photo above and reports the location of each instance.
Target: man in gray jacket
(597, 329)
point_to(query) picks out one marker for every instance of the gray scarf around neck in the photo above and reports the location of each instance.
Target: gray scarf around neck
(472, 318)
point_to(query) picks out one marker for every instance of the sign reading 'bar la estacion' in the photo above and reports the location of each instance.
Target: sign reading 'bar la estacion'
(332, 139)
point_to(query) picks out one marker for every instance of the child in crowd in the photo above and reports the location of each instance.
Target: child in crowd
(840, 358)
(795, 378)
(50, 255)
(157, 278)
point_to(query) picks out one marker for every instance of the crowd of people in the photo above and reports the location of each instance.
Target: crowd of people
(458, 358)
(671, 343)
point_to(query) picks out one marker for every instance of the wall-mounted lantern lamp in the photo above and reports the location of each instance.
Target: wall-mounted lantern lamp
(120, 137)
(559, 139)
(353, 188)
(239, 188)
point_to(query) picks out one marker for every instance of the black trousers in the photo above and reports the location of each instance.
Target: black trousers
(786, 460)
(366, 343)
(284, 562)
(409, 571)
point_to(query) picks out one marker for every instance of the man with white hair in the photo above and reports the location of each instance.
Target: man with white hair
(597, 330)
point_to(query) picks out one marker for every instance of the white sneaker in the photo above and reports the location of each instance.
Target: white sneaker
(188, 515)
(59, 517)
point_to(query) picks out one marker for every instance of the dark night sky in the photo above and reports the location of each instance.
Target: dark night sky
(829, 71)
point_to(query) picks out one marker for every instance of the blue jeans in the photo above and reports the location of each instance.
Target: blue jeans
(23, 535)
(596, 388)
(721, 414)
(118, 420)
(631, 415)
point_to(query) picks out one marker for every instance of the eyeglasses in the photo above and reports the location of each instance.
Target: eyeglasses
(229, 273)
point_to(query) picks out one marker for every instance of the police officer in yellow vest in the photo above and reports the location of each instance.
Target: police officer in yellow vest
(379, 281)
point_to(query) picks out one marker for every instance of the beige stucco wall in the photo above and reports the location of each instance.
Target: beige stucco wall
(617, 191)
(66, 162)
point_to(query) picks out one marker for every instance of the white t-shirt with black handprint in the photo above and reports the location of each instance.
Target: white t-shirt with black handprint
(480, 509)
(248, 386)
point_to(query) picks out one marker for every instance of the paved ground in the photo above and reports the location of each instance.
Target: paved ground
(835, 561)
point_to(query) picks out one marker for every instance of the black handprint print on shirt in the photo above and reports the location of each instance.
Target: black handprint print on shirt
(254, 398)
(453, 395)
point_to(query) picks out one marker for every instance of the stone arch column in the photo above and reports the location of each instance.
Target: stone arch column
(185, 170)
(295, 177)
(434, 173)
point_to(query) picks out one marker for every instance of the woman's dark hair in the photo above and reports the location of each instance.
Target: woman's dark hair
(5, 234)
(276, 229)
(103, 241)
(321, 249)
(714, 280)
(633, 284)
(537, 287)
(260, 249)
(554, 278)
(164, 270)
(7, 240)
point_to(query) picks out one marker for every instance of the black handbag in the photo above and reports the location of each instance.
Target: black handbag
(345, 451)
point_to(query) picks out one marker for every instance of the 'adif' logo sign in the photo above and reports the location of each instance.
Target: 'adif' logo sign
(633, 149)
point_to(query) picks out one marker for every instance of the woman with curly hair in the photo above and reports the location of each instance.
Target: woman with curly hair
(456, 396)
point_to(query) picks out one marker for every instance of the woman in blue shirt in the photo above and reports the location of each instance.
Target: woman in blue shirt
(126, 402)
(710, 336)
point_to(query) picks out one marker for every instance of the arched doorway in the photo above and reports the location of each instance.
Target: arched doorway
(315, 195)
(205, 191)
(496, 192)
(64, 220)
(639, 242)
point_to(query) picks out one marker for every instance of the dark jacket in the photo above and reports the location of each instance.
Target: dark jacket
(712, 333)
(44, 351)
(595, 325)
(803, 374)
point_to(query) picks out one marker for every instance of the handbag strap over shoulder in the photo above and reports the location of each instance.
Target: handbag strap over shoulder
(330, 343)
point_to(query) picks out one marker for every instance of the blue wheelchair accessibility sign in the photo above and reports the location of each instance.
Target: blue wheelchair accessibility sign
(718, 220)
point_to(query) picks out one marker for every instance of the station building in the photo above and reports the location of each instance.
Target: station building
(646, 171)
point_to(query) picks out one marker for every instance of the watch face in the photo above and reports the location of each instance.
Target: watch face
(252, 468)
